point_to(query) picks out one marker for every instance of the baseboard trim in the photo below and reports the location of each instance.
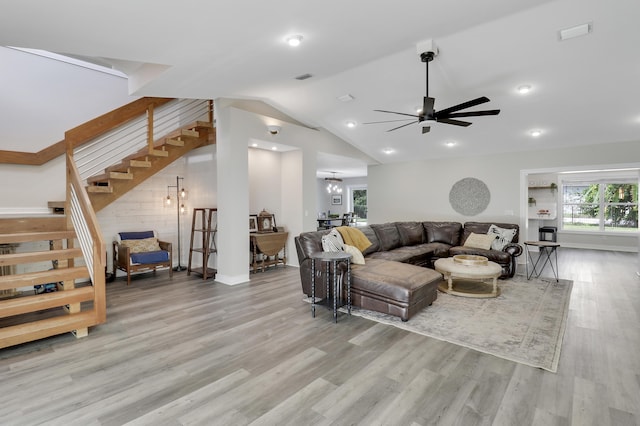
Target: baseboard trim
(232, 279)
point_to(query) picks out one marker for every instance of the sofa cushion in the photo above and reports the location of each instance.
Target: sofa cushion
(388, 236)
(373, 238)
(443, 232)
(136, 235)
(504, 236)
(356, 255)
(481, 241)
(142, 245)
(150, 257)
(332, 242)
(411, 233)
(419, 254)
(483, 228)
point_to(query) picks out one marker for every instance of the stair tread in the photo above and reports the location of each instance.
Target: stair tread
(43, 277)
(39, 256)
(34, 330)
(21, 305)
(24, 237)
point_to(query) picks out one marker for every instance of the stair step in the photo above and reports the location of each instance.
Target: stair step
(22, 305)
(16, 334)
(25, 237)
(140, 163)
(202, 125)
(110, 175)
(43, 277)
(100, 189)
(39, 256)
(158, 153)
(174, 142)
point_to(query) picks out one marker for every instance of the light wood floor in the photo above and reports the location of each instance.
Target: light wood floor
(184, 351)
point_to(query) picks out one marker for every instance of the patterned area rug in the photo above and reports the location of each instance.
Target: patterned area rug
(525, 324)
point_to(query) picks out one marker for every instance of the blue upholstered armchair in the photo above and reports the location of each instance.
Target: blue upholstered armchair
(141, 251)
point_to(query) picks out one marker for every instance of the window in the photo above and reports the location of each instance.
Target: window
(359, 203)
(608, 205)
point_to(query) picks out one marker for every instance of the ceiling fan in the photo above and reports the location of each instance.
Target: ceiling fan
(428, 113)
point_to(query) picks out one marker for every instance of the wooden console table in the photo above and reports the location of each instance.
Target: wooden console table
(268, 246)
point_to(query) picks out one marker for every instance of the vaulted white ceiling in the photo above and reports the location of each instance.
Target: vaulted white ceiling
(584, 90)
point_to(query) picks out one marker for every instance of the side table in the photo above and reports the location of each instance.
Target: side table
(329, 264)
(546, 249)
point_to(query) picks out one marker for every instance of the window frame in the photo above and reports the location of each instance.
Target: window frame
(602, 205)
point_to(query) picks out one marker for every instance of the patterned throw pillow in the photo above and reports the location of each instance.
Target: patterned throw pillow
(480, 241)
(142, 246)
(504, 236)
(356, 255)
(332, 242)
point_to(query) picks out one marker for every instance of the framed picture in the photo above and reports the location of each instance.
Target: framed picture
(336, 199)
(253, 223)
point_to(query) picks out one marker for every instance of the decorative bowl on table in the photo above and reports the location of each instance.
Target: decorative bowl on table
(470, 259)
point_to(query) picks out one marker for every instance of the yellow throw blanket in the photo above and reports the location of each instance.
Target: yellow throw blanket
(354, 237)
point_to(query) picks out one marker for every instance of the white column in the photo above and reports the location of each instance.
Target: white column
(233, 198)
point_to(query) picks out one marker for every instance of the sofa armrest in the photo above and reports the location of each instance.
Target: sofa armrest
(513, 249)
(121, 254)
(164, 245)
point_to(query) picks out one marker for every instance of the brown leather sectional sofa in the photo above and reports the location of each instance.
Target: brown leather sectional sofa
(398, 276)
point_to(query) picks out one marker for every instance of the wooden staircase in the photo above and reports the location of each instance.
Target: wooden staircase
(120, 178)
(26, 315)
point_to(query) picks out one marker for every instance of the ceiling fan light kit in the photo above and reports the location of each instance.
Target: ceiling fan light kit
(428, 114)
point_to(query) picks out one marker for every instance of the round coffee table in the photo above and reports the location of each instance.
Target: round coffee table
(469, 273)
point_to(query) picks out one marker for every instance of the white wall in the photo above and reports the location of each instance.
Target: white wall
(420, 190)
(41, 99)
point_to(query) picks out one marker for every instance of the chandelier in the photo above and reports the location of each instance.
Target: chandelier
(333, 184)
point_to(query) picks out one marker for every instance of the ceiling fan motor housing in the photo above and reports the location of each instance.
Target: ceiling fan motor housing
(427, 49)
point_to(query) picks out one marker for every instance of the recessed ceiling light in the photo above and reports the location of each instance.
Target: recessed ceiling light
(524, 89)
(255, 145)
(351, 124)
(388, 151)
(450, 144)
(274, 148)
(577, 31)
(535, 133)
(294, 40)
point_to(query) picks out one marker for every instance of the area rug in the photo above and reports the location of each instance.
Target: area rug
(525, 324)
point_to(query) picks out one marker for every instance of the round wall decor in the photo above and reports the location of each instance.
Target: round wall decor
(469, 196)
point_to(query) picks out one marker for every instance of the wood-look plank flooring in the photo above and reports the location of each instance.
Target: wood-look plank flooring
(193, 352)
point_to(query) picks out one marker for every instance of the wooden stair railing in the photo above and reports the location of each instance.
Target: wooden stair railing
(118, 179)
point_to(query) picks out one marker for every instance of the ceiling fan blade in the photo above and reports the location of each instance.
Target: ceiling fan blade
(389, 121)
(425, 129)
(400, 127)
(394, 112)
(454, 122)
(463, 105)
(473, 113)
(427, 106)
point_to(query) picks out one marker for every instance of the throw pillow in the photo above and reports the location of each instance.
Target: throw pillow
(504, 236)
(356, 255)
(142, 246)
(332, 241)
(480, 241)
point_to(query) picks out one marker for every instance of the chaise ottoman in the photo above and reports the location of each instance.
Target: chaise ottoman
(394, 288)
